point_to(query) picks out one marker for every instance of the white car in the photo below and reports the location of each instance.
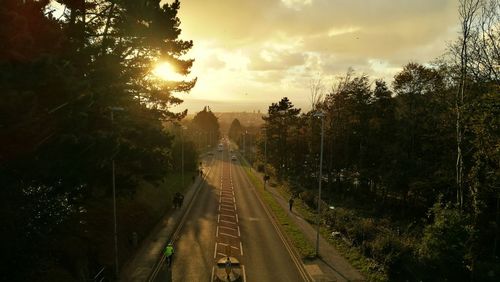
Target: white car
(233, 158)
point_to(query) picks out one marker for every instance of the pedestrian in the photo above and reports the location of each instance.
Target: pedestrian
(181, 200)
(175, 200)
(290, 203)
(135, 239)
(228, 268)
(169, 253)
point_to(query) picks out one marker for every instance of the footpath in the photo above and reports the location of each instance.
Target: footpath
(139, 267)
(331, 265)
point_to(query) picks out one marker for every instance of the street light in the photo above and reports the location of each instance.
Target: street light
(182, 151)
(322, 116)
(182, 155)
(112, 110)
(245, 142)
(265, 158)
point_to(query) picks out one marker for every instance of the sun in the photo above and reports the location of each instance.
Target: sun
(166, 71)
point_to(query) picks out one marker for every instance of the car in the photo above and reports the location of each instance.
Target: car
(233, 158)
(210, 153)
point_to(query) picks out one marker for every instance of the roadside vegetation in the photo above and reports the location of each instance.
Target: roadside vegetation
(410, 166)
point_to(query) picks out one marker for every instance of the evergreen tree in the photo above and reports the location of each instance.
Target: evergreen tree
(235, 131)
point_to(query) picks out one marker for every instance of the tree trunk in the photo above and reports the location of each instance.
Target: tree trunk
(467, 11)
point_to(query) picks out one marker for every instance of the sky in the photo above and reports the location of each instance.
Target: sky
(251, 53)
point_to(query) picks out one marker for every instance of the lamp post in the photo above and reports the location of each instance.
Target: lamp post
(265, 157)
(320, 115)
(182, 154)
(265, 160)
(245, 143)
(112, 110)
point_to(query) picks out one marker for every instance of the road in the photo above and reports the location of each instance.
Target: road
(228, 217)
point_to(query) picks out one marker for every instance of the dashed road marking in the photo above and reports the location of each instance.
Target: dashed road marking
(230, 228)
(228, 232)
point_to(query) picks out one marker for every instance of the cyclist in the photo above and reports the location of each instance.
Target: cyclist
(169, 253)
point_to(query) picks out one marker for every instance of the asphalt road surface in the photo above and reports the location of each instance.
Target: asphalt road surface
(227, 218)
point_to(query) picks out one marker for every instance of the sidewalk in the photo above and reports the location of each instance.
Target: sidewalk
(331, 266)
(140, 266)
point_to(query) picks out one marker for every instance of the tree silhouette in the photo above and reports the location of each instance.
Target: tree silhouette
(60, 78)
(235, 131)
(205, 127)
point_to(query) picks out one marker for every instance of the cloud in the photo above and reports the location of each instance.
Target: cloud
(296, 4)
(272, 48)
(342, 30)
(273, 60)
(214, 63)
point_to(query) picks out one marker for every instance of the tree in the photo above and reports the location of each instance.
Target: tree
(235, 131)
(59, 79)
(467, 12)
(205, 127)
(281, 117)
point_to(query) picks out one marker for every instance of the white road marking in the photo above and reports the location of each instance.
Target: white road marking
(237, 218)
(217, 233)
(228, 235)
(215, 250)
(218, 218)
(241, 249)
(239, 234)
(244, 273)
(231, 228)
(232, 210)
(213, 272)
(227, 205)
(228, 215)
(226, 221)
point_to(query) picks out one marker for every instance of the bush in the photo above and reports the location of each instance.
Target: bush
(342, 220)
(309, 198)
(443, 246)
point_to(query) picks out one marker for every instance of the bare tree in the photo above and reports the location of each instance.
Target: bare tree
(468, 10)
(485, 48)
(317, 92)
